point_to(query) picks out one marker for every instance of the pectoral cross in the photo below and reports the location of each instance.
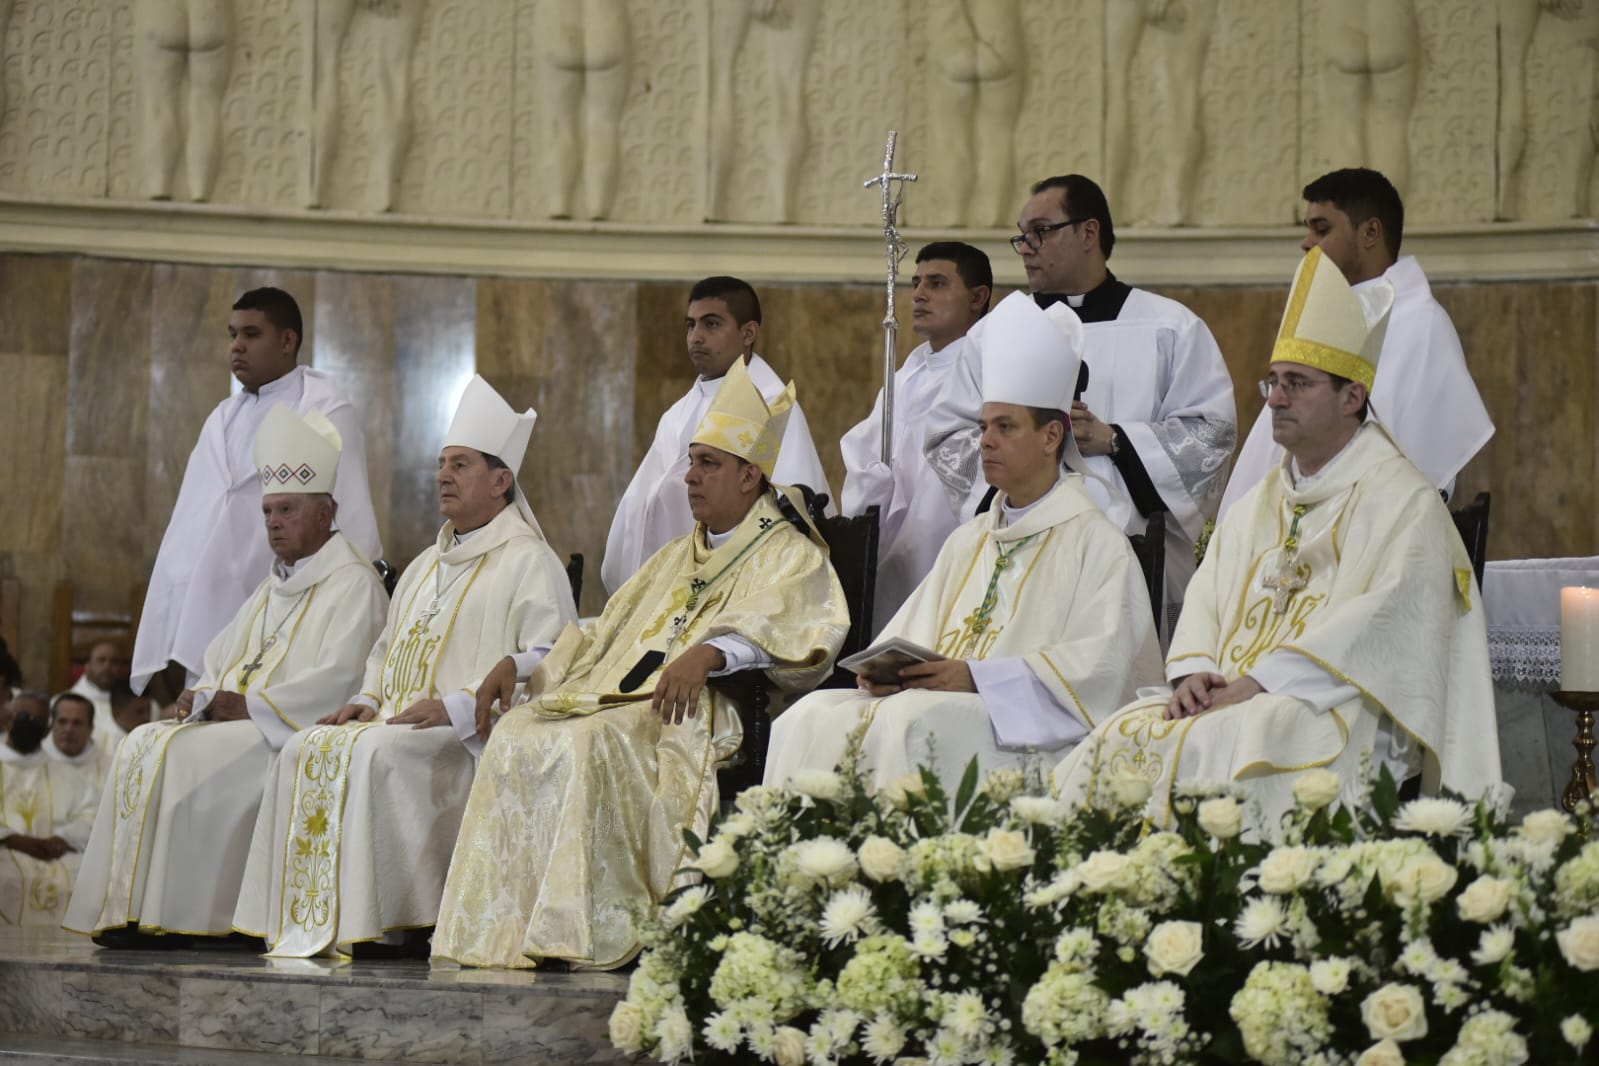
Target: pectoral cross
(430, 612)
(1290, 578)
(251, 667)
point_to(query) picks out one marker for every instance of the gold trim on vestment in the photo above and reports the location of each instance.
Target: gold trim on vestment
(1390, 715)
(1343, 727)
(1081, 708)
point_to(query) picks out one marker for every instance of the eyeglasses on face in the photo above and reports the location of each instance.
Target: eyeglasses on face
(1291, 384)
(1034, 238)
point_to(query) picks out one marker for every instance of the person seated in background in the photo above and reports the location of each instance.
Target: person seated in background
(45, 812)
(72, 742)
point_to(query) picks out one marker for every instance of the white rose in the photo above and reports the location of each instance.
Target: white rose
(627, 1027)
(881, 859)
(825, 859)
(900, 790)
(817, 784)
(1039, 810)
(1386, 1053)
(1579, 943)
(716, 859)
(1286, 868)
(1484, 900)
(1129, 790)
(1315, 789)
(788, 1046)
(1547, 826)
(1221, 817)
(1425, 877)
(1394, 1012)
(1330, 976)
(1104, 871)
(1174, 947)
(1005, 849)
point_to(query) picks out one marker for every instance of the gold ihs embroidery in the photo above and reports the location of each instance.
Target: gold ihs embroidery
(409, 665)
(969, 641)
(1263, 630)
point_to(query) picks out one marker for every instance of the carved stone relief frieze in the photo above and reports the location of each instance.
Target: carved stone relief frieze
(1061, 129)
(182, 51)
(582, 49)
(1553, 176)
(54, 79)
(1368, 55)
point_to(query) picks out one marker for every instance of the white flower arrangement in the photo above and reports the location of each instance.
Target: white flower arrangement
(999, 926)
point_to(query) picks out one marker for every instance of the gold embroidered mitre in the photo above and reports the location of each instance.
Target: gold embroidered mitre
(740, 420)
(297, 454)
(1331, 326)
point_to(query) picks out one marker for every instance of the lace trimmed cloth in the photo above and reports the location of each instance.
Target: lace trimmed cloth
(1521, 598)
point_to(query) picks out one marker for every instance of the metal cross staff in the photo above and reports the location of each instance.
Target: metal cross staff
(896, 249)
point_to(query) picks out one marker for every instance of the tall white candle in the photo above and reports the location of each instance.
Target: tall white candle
(1579, 639)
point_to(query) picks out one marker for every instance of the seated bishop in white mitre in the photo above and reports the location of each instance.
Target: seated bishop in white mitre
(173, 828)
(1334, 621)
(1038, 605)
(357, 824)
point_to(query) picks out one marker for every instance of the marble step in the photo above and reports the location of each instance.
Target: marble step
(18, 1048)
(54, 985)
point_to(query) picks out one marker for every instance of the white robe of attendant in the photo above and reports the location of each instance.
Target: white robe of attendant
(40, 798)
(355, 831)
(93, 763)
(1382, 655)
(915, 516)
(1070, 637)
(212, 555)
(1424, 393)
(174, 823)
(1156, 372)
(654, 510)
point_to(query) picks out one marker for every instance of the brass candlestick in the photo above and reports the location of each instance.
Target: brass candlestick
(1581, 786)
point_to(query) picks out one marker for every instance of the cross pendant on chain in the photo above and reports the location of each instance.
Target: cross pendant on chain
(1290, 578)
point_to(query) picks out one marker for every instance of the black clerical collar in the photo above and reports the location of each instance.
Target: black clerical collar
(1102, 303)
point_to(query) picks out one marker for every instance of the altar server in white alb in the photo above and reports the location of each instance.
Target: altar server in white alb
(173, 829)
(1332, 622)
(1157, 423)
(356, 827)
(949, 293)
(45, 813)
(1424, 391)
(723, 322)
(1038, 605)
(212, 555)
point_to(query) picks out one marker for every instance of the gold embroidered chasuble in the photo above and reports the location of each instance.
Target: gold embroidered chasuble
(39, 798)
(336, 855)
(1379, 594)
(576, 818)
(173, 828)
(1058, 589)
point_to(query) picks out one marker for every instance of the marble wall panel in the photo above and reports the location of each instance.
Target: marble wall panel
(103, 501)
(35, 303)
(662, 370)
(109, 350)
(1244, 322)
(374, 1023)
(135, 1007)
(279, 1016)
(30, 1000)
(33, 440)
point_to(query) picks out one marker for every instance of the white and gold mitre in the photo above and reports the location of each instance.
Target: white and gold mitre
(740, 420)
(297, 454)
(484, 422)
(1331, 326)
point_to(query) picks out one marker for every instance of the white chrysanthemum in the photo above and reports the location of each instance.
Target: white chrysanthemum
(962, 912)
(825, 859)
(966, 1016)
(930, 945)
(740, 824)
(1434, 816)
(688, 902)
(1262, 921)
(1039, 810)
(1487, 1037)
(1003, 784)
(676, 1035)
(818, 784)
(883, 1039)
(722, 1031)
(1577, 1030)
(1330, 976)
(926, 917)
(848, 916)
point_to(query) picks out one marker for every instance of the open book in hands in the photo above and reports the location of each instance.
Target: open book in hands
(881, 663)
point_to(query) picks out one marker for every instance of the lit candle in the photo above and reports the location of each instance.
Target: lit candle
(1579, 639)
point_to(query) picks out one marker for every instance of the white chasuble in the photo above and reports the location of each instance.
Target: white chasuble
(1423, 394)
(1053, 614)
(39, 798)
(654, 508)
(576, 818)
(915, 515)
(1156, 372)
(355, 829)
(173, 829)
(1357, 572)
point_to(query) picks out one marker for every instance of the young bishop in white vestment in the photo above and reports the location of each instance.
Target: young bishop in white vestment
(1157, 423)
(355, 830)
(1333, 620)
(45, 812)
(174, 825)
(1038, 605)
(1423, 392)
(212, 555)
(724, 320)
(576, 819)
(949, 293)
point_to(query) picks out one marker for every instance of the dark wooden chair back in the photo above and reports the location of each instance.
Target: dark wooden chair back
(387, 574)
(75, 631)
(1471, 521)
(1150, 547)
(574, 576)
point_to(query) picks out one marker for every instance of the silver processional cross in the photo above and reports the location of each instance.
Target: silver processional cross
(896, 248)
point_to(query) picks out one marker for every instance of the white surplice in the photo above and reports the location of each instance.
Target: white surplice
(92, 764)
(654, 510)
(40, 798)
(915, 516)
(1424, 393)
(1069, 636)
(355, 830)
(1156, 372)
(174, 823)
(213, 554)
(1379, 653)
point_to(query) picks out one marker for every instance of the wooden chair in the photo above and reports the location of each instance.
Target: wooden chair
(852, 548)
(1471, 521)
(1150, 547)
(574, 576)
(74, 632)
(387, 574)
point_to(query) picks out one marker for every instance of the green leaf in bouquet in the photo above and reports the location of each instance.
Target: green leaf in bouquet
(966, 790)
(1384, 800)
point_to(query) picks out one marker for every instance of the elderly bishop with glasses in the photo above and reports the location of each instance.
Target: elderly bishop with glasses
(1156, 423)
(1334, 621)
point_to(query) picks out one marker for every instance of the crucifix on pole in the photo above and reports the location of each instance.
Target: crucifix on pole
(895, 248)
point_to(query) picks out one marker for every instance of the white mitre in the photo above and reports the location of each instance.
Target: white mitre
(485, 423)
(295, 453)
(1032, 357)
